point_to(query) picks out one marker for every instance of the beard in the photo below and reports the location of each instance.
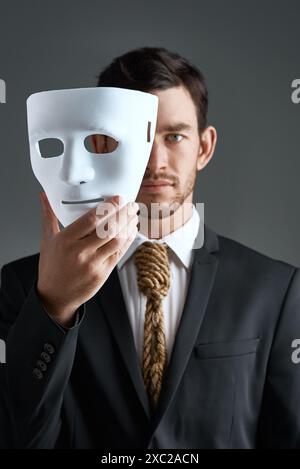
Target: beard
(156, 209)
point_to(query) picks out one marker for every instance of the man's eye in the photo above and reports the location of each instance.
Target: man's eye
(176, 139)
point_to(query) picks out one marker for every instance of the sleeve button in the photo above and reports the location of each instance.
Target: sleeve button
(41, 365)
(46, 357)
(49, 348)
(37, 373)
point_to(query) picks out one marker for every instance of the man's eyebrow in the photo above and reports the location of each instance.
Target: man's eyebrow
(177, 127)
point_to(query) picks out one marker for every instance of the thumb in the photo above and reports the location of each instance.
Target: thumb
(49, 221)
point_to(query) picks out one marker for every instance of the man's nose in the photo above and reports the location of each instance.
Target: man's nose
(158, 157)
(76, 167)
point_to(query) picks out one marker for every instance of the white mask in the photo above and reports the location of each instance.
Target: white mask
(77, 180)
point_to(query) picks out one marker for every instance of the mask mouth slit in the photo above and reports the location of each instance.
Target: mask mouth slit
(71, 202)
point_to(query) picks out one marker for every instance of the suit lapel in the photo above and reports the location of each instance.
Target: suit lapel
(201, 282)
(112, 303)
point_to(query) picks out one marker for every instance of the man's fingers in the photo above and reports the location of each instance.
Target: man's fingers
(87, 223)
(112, 260)
(116, 245)
(50, 224)
(110, 226)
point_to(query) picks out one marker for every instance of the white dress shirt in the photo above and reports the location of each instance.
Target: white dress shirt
(181, 252)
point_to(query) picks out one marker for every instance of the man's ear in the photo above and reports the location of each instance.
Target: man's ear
(208, 140)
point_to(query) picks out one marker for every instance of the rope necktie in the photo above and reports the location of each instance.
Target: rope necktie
(153, 276)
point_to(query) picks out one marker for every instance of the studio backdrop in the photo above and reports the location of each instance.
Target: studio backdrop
(248, 52)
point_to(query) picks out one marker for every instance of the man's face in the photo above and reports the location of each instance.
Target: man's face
(172, 167)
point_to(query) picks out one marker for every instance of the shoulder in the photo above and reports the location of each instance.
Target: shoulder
(246, 275)
(244, 261)
(23, 269)
(17, 279)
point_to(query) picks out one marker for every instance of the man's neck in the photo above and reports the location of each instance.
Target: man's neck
(156, 227)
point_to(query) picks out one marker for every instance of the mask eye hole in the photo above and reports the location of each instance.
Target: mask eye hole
(100, 143)
(51, 147)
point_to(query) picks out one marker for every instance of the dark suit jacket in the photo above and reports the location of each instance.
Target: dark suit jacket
(230, 383)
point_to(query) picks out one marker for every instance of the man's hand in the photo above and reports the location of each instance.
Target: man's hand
(75, 262)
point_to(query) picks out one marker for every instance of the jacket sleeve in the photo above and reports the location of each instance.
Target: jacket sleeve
(279, 425)
(39, 360)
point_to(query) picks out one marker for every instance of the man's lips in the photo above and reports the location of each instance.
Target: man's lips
(157, 186)
(161, 182)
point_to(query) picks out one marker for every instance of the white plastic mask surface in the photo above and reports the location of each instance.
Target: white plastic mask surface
(78, 179)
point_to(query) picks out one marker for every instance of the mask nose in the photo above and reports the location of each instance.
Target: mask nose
(76, 167)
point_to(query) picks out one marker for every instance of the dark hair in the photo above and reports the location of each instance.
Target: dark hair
(149, 68)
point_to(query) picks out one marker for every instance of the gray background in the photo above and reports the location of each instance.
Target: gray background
(249, 53)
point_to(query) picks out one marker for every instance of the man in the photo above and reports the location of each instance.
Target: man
(80, 372)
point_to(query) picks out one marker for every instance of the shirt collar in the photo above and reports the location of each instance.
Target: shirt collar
(180, 241)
